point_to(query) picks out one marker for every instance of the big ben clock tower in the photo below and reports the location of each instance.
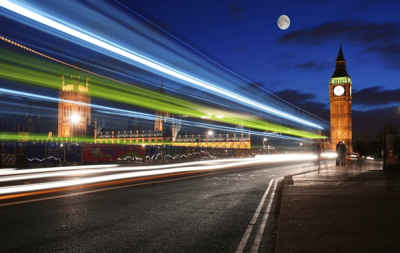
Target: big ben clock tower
(340, 96)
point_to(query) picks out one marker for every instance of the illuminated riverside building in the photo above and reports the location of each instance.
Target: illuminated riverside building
(169, 134)
(235, 140)
(71, 116)
(340, 96)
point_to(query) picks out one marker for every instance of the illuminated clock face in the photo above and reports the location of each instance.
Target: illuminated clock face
(338, 90)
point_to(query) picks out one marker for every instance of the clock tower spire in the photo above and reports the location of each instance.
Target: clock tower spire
(340, 96)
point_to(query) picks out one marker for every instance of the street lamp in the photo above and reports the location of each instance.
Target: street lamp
(265, 139)
(74, 119)
(209, 134)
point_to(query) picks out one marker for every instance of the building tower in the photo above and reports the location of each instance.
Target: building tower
(75, 90)
(160, 115)
(340, 89)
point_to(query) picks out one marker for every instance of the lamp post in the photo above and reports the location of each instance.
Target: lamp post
(265, 139)
(74, 119)
(209, 134)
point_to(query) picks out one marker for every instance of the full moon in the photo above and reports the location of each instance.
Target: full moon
(283, 22)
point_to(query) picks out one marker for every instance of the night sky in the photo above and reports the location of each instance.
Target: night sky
(294, 64)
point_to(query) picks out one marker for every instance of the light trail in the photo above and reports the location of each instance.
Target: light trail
(8, 172)
(122, 112)
(14, 7)
(81, 170)
(329, 155)
(14, 175)
(211, 60)
(130, 175)
(144, 99)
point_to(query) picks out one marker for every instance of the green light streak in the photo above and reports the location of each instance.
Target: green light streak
(30, 70)
(35, 137)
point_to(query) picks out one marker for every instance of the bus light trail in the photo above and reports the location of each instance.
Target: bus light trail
(114, 111)
(159, 67)
(123, 176)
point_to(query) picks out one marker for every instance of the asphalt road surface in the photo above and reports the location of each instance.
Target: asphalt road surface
(230, 209)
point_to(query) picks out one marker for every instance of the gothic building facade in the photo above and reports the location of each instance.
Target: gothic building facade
(74, 112)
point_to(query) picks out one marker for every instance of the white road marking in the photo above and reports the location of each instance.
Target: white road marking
(246, 235)
(261, 229)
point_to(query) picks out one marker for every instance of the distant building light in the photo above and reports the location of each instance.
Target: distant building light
(75, 118)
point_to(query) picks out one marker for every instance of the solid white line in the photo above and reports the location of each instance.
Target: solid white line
(261, 229)
(247, 233)
(257, 213)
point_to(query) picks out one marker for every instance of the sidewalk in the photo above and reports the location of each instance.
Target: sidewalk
(341, 209)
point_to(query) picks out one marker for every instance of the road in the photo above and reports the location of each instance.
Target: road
(197, 211)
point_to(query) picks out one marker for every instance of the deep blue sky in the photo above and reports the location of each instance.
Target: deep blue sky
(296, 63)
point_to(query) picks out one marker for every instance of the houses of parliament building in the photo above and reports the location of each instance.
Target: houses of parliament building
(75, 117)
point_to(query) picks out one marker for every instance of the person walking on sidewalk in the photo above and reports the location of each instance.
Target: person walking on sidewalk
(338, 154)
(343, 152)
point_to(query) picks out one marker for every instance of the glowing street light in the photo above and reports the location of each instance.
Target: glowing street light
(74, 119)
(264, 140)
(210, 133)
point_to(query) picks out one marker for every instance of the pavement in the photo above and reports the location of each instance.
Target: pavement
(341, 209)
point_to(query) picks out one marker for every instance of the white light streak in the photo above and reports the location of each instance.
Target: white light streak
(8, 172)
(81, 170)
(155, 172)
(147, 62)
(329, 155)
(121, 112)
